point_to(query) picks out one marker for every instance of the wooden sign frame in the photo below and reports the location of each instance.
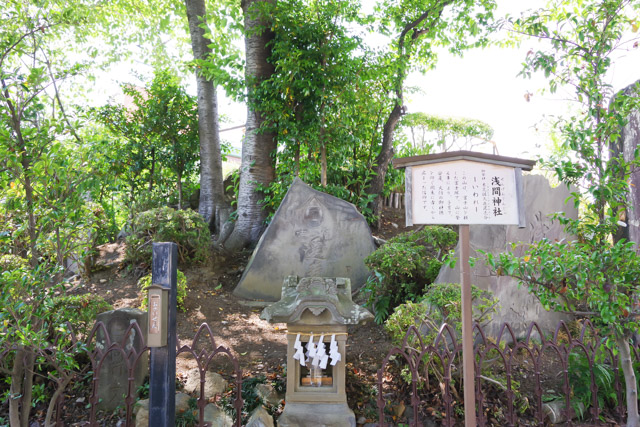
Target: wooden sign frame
(455, 190)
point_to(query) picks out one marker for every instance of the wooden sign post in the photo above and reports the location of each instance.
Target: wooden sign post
(463, 188)
(162, 369)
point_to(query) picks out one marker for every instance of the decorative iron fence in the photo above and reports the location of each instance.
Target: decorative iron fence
(516, 380)
(128, 353)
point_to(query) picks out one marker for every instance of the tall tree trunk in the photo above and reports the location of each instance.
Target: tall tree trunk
(323, 165)
(17, 379)
(21, 387)
(296, 160)
(180, 191)
(383, 159)
(25, 162)
(411, 32)
(626, 363)
(258, 149)
(212, 205)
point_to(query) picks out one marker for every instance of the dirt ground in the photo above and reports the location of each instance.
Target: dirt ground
(259, 346)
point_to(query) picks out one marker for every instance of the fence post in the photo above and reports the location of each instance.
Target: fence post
(162, 370)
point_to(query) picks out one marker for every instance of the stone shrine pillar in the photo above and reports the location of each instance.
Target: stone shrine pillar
(317, 311)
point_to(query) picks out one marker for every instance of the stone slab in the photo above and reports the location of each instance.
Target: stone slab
(316, 415)
(113, 375)
(311, 234)
(627, 145)
(517, 305)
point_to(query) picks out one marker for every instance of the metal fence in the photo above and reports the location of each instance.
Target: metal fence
(515, 376)
(566, 375)
(130, 352)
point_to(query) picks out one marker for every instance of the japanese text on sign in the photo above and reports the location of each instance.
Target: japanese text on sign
(154, 314)
(464, 192)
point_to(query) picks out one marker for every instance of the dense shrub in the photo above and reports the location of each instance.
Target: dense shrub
(405, 266)
(181, 295)
(37, 320)
(184, 227)
(440, 304)
(12, 262)
(79, 310)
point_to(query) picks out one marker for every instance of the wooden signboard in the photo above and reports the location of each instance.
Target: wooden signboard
(463, 188)
(464, 192)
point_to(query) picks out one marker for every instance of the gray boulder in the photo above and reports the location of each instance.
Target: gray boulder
(517, 305)
(311, 234)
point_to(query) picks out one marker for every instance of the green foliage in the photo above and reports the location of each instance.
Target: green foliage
(250, 396)
(79, 310)
(145, 281)
(189, 417)
(580, 371)
(34, 318)
(156, 140)
(440, 304)
(425, 134)
(322, 101)
(12, 262)
(405, 266)
(184, 227)
(591, 277)
(597, 275)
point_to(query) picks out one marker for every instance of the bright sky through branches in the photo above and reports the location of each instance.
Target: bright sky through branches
(484, 85)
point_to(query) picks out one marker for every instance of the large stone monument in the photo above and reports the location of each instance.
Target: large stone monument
(114, 373)
(311, 234)
(517, 305)
(626, 146)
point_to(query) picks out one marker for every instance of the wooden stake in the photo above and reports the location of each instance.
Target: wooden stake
(467, 330)
(162, 369)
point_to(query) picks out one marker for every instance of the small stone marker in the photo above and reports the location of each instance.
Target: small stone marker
(311, 234)
(114, 374)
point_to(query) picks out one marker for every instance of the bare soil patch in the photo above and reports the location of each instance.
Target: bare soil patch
(259, 346)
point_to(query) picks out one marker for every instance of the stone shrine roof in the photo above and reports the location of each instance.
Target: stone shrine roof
(326, 299)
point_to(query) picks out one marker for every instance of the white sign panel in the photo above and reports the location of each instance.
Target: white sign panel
(463, 192)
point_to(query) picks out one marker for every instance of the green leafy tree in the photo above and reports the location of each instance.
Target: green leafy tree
(322, 100)
(595, 275)
(417, 28)
(45, 178)
(429, 134)
(332, 100)
(158, 137)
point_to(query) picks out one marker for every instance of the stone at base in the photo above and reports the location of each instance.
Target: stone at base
(316, 415)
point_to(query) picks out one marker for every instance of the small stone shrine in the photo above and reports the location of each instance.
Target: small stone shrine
(311, 234)
(317, 311)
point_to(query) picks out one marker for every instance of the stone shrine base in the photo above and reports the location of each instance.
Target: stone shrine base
(317, 415)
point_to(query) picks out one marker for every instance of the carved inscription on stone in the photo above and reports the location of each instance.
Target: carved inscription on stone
(311, 234)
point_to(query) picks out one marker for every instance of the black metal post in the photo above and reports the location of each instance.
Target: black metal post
(162, 372)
